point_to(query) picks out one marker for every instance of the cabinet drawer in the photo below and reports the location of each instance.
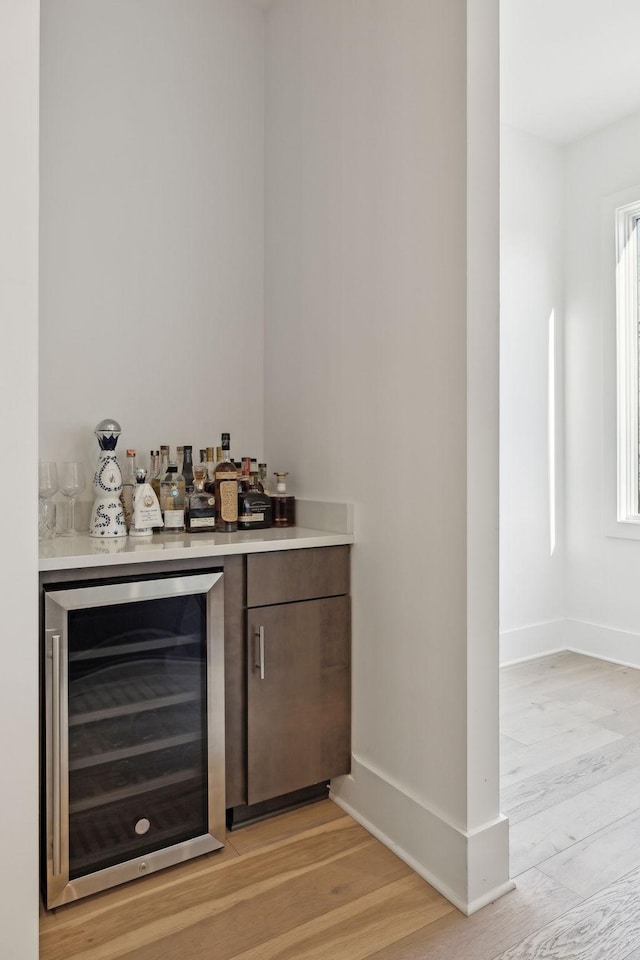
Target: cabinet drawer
(290, 575)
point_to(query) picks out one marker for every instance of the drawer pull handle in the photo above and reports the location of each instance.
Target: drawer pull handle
(260, 657)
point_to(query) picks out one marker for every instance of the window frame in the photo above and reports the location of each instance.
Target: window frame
(627, 249)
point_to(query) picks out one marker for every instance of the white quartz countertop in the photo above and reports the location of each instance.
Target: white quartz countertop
(70, 553)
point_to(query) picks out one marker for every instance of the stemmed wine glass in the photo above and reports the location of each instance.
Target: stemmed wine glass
(47, 486)
(72, 484)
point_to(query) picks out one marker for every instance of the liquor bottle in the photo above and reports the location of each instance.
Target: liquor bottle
(156, 479)
(154, 465)
(262, 478)
(145, 512)
(156, 475)
(201, 506)
(254, 507)
(211, 464)
(107, 515)
(283, 503)
(187, 468)
(128, 484)
(244, 480)
(179, 458)
(172, 497)
(226, 490)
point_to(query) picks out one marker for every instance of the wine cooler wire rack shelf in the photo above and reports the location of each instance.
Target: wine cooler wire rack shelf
(149, 640)
(132, 689)
(139, 732)
(97, 843)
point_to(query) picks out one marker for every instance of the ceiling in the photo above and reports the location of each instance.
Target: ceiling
(568, 67)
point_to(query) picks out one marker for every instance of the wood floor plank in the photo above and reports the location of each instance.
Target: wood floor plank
(539, 757)
(617, 691)
(528, 723)
(604, 927)
(353, 931)
(559, 827)
(600, 859)
(176, 905)
(559, 781)
(109, 903)
(549, 674)
(535, 902)
(276, 829)
(625, 721)
(233, 928)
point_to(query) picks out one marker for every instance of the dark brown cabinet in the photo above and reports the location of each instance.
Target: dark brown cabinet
(298, 666)
(291, 729)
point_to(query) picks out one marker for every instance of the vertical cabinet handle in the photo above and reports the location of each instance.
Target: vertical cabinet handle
(56, 713)
(260, 652)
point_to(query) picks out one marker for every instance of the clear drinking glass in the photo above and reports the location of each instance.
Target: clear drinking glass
(72, 483)
(47, 486)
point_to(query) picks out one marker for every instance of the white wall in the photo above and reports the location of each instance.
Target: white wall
(532, 233)
(603, 600)
(371, 347)
(18, 391)
(585, 597)
(381, 348)
(152, 127)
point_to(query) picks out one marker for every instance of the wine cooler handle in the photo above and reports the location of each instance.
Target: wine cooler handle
(56, 750)
(260, 652)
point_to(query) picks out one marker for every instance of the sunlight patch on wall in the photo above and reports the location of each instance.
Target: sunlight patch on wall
(551, 414)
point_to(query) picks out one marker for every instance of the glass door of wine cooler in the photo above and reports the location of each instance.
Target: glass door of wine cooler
(134, 729)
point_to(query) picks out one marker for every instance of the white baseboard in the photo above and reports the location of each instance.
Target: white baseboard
(469, 869)
(579, 636)
(527, 643)
(605, 643)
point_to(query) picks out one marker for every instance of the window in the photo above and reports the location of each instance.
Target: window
(627, 361)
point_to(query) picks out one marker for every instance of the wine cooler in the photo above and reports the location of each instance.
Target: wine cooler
(133, 729)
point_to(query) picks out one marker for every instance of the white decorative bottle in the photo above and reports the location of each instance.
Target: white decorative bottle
(107, 516)
(145, 509)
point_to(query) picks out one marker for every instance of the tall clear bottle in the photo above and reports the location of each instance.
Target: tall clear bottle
(187, 467)
(211, 466)
(156, 478)
(157, 475)
(154, 465)
(128, 485)
(172, 499)
(226, 490)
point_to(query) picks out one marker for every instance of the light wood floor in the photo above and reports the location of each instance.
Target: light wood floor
(313, 885)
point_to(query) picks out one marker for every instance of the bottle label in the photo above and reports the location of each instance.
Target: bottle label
(173, 519)
(202, 523)
(146, 509)
(229, 501)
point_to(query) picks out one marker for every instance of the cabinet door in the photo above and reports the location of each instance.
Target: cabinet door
(299, 693)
